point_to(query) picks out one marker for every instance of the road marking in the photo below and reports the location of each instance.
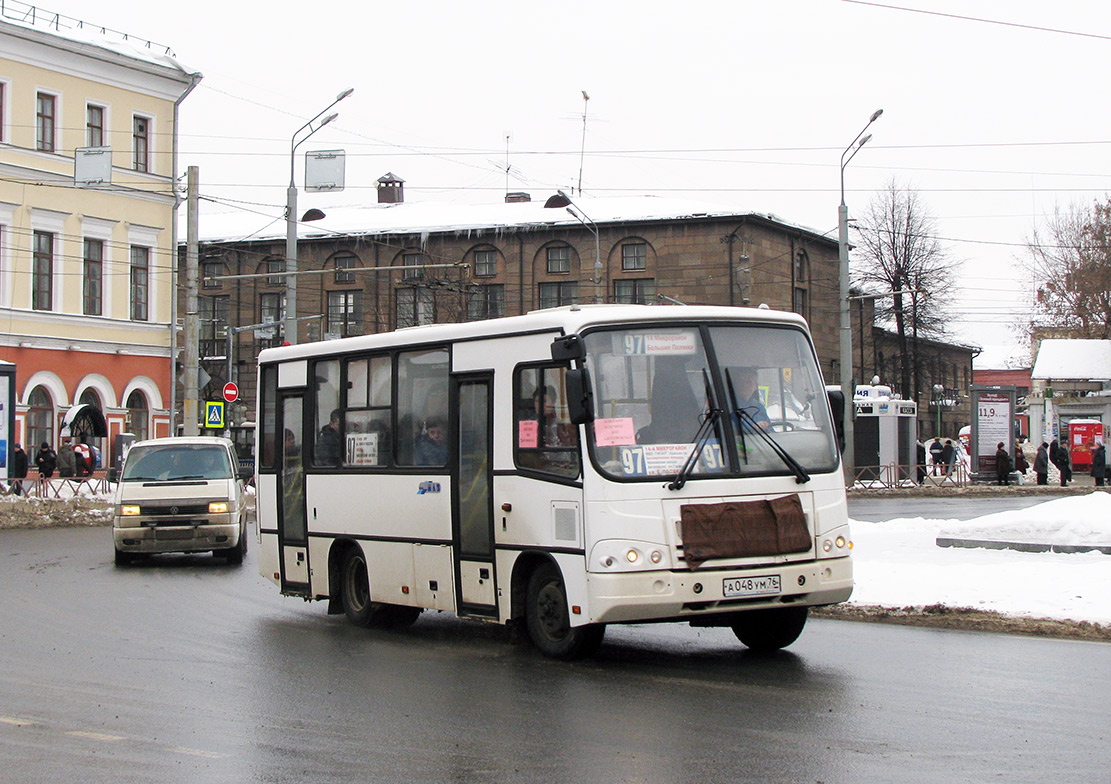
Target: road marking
(17, 721)
(95, 735)
(199, 753)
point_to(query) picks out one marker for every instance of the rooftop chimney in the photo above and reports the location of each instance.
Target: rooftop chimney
(517, 196)
(391, 189)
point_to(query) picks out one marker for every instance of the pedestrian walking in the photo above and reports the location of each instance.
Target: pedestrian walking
(1021, 464)
(936, 448)
(67, 459)
(1041, 464)
(19, 469)
(1002, 465)
(948, 457)
(1064, 463)
(46, 460)
(1099, 465)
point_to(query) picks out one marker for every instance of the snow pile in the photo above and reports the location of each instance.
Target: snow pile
(1076, 520)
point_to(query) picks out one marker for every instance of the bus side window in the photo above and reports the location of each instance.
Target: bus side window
(545, 439)
(328, 446)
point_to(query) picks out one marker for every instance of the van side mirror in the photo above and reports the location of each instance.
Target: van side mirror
(246, 474)
(580, 396)
(113, 474)
(837, 410)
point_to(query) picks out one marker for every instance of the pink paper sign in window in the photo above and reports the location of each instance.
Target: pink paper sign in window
(614, 432)
(528, 434)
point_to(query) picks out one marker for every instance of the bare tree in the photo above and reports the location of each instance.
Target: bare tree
(1070, 264)
(899, 256)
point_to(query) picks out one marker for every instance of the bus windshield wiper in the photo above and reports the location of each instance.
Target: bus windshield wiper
(801, 477)
(700, 439)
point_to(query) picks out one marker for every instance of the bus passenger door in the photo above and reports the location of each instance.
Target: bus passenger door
(292, 529)
(472, 477)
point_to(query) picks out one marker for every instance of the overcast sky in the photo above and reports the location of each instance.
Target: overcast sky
(743, 103)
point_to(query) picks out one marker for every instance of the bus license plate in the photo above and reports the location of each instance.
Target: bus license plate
(758, 585)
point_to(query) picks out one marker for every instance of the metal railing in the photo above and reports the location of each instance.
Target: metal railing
(894, 476)
(58, 486)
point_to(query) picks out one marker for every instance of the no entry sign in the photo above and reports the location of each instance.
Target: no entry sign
(231, 392)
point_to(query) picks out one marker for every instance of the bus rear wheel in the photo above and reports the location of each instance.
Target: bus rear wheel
(357, 605)
(355, 588)
(770, 630)
(548, 620)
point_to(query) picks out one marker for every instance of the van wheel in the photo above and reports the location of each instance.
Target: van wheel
(236, 554)
(770, 630)
(548, 620)
(122, 558)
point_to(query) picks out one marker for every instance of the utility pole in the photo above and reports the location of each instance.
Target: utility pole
(192, 314)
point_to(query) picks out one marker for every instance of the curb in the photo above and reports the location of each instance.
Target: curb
(1025, 547)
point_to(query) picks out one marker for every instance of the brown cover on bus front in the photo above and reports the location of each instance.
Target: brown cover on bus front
(742, 529)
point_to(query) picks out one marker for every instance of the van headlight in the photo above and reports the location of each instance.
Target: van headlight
(217, 507)
(129, 510)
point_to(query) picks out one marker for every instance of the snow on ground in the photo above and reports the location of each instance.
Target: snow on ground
(898, 563)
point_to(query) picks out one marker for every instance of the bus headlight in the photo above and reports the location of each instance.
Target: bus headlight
(616, 555)
(836, 544)
(632, 556)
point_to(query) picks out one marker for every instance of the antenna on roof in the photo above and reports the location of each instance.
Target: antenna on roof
(582, 150)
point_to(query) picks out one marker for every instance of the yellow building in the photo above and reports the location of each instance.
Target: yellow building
(88, 148)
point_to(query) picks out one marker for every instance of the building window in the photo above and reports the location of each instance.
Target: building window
(140, 137)
(274, 269)
(3, 106)
(210, 271)
(42, 275)
(800, 301)
(92, 278)
(94, 126)
(40, 420)
(639, 291)
(343, 264)
(559, 260)
(800, 296)
(45, 106)
(414, 265)
(488, 302)
(553, 295)
(343, 314)
(485, 263)
(140, 283)
(213, 315)
(138, 415)
(415, 306)
(634, 256)
(271, 308)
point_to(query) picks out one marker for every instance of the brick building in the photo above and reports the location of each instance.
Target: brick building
(395, 264)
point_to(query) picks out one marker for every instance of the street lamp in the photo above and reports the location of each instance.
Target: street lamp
(291, 217)
(939, 397)
(846, 361)
(561, 199)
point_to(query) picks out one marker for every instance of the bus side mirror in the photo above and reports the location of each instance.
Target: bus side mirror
(837, 410)
(580, 396)
(568, 349)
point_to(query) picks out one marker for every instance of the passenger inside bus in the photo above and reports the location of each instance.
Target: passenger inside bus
(431, 445)
(329, 444)
(675, 412)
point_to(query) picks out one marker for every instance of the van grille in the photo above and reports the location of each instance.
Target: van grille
(173, 510)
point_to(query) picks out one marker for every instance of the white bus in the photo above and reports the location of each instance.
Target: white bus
(559, 471)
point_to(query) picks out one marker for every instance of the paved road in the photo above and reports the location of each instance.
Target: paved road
(875, 510)
(191, 671)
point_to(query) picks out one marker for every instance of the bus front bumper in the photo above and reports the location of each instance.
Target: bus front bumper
(680, 595)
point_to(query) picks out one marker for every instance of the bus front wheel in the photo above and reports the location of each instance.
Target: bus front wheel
(770, 630)
(548, 620)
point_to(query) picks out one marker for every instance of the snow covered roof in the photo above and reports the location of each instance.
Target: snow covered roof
(1088, 360)
(472, 219)
(30, 17)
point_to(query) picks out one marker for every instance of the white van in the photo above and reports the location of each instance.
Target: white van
(181, 495)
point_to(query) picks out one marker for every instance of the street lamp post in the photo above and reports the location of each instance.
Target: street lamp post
(561, 199)
(939, 397)
(291, 217)
(846, 353)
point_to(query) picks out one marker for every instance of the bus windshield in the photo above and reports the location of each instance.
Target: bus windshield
(748, 397)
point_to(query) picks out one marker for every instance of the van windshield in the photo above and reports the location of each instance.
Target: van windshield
(155, 463)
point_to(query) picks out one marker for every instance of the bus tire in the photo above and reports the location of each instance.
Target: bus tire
(355, 588)
(548, 620)
(770, 630)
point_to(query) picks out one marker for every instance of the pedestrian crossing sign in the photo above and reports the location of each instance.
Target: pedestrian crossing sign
(213, 414)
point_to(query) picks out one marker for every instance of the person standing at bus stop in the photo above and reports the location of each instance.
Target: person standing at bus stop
(1041, 464)
(1099, 465)
(1002, 464)
(936, 448)
(19, 469)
